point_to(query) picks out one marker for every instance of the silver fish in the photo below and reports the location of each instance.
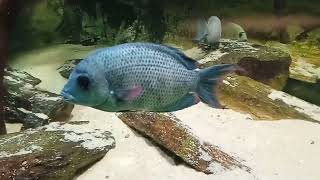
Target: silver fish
(234, 31)
(142, 77)
(209, 32)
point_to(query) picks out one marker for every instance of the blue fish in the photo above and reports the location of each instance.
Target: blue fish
(142, 77)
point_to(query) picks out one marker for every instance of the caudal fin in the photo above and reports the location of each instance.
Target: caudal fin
(209, 80)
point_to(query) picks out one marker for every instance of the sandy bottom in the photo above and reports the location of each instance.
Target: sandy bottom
(275, 150)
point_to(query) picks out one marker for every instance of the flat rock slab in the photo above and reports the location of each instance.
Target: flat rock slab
(306, 58)
(264, 64)
(67, 67)
(30, 106)
(56, 151)
(303, 71)
(246, 95)
(305, 64)
(171, 133)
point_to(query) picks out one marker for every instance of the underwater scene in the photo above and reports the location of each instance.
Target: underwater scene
(159, 90)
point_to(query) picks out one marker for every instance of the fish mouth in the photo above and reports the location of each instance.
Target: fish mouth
(67, 97)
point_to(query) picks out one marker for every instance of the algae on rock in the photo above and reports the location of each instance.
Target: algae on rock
(264, 64)
(57, 151)
(32, 107)
(172, 134)
(246, 95)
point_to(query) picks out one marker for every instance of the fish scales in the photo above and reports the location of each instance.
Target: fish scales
(161, 82)
(142, 76)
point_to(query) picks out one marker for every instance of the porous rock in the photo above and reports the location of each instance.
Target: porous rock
(56, 151)
(26, 104)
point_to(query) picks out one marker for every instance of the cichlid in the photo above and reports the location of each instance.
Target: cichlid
(234, 31)
(209, 32)
(142, 77)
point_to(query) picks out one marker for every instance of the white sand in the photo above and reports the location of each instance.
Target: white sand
(276, 150)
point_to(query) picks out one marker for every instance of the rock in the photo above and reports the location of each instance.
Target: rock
(30, 106)
(307, 91)
(67, 67)
(196, 53)
(306, 59)
(89, 41)
(305, 56)
(264, 64)
(311, 35)
(13, 127)
(245, 95)
(171, 133)
(294, 31)
(22, 77)
(304, 76)
(55, 151)
(305, 71)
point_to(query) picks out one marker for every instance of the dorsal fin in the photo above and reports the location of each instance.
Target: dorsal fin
(188, 62)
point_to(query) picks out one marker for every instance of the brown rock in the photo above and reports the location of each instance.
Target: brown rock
(246, 95)
(170, 133)
(57, 151)
(30, 106)
(261, 63)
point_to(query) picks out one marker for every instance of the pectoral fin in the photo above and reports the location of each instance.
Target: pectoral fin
(129, 94)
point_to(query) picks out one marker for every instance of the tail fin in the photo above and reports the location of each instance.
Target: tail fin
(209, 81)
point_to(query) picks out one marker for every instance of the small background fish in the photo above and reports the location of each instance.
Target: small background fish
(234, 31)
(209, 32)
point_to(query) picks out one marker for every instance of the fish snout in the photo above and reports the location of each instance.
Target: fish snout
(67, 96)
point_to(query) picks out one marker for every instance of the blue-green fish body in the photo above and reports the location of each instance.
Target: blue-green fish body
(141, 77)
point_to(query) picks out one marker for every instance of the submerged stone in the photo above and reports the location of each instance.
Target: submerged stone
(30, 106)
(67, 67)
(307, 91)
(169, 132)
(261, 63)
(55, 151)
(243, 94)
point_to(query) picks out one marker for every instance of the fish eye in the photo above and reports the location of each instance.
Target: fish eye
(83, 82)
